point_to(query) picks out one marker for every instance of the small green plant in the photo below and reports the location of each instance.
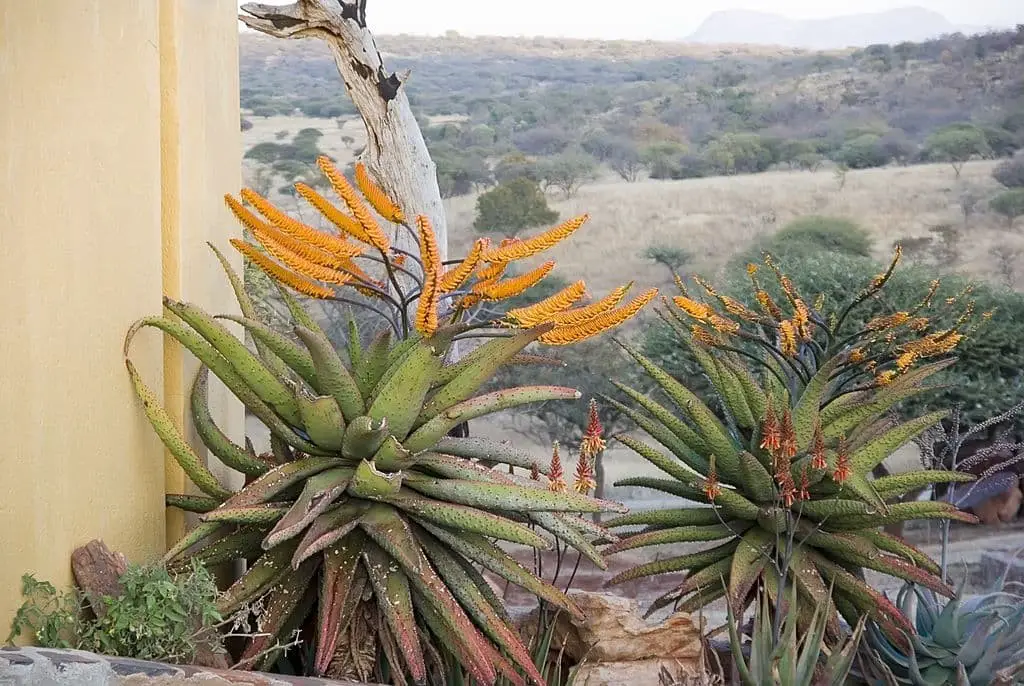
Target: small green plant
(780, 656)
(813, 233)
(967, 641)
(1009, 204)
(158, 616)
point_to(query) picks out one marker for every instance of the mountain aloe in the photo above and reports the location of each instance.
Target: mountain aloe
(367, 506)
(779, 469)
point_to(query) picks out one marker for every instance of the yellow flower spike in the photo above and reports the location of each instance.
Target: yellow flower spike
(539, 243)
(887, 321)
(454, 278)
(491, 272)
(344, 189)
(297, 229)
(300, 264)
(280, 274)
(802, 319)
(376, 196)
(566, 335)
(886, 377)
(723, 325)
(768, 304)
(787, 338)
(857, 355)
(678, 281)
(304, 250)
(344, 223)
(703, 336)
(698, 310)
(752, 269)
(426, 310)
(584, 314)
(540, 312)
(906, 360)
(510, 288)
(738, 309)
(819, 302)
(708, 288)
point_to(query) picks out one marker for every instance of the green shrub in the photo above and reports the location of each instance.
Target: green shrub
(1010, 172)
(809, 235)
(1009, 204)
(511, 207)
(157, 617)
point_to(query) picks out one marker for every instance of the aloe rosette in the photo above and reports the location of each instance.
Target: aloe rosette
(368, 503)
(778, 474)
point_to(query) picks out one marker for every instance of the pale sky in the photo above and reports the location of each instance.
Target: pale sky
(637, 19)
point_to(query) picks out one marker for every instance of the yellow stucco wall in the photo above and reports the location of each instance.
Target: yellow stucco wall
(118, 138)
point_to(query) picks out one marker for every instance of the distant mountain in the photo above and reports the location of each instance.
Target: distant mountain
(855, 30)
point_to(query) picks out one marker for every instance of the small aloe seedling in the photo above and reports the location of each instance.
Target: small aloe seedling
(783, 658)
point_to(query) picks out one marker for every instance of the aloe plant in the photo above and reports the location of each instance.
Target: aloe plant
(778, 477)
(785, 657)
(366, 506)
(966, 641)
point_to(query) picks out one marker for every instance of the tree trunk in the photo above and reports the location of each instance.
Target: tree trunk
(396, 152)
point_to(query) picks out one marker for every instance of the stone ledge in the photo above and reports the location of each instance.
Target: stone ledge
(31, 666)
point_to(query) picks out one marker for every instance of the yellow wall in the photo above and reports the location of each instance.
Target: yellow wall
(118, 138)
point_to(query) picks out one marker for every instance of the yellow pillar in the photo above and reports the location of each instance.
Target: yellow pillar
(118, 137)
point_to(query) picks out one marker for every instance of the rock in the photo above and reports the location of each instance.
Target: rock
(1001, 508)
(614, 645)
(97, 572)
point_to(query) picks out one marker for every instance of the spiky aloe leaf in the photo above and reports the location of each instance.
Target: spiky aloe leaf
(392, 456)
(755, 550)
(339, 584)
(899, 547)
(207, 533)
(372, 363)
(711, 575)
(477, 368)
(757, 482)
(280, 479)
(176, 444)
(695, 602)
(839, 418)
(317, 495)
(863, 488)
(806, 412)
(471, 654)
(468, 519)
(215, 440)
(368, 483)
(191, 503)
(471, 595)
(394, 598)
(488, 451)
(263, 513)
(287, 598)
(734, 397)
(901, 512)
(827, 508)
(871, 455)
(285, 349)
(427, 436)
(494, 496)
(901, 484)
(482, 551)
(223, 370)
(756, 398)
(242, 543)
(684, 433)
(677, 564)
(363, 438)
(679, 534)
(267, 571)
(663, 435)
(563, 531)
(328, 529)
(399, 400)
(712, 431)
(670, 466)
(332, 377)
(323, 420)
(249, 367)
(665, 486)
(684, 516)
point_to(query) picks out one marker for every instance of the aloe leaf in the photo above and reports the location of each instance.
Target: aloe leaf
(373, 363)
(481, 550)
(495, 496)
(683, 516)
(215, 440)
(279, 479)
(293, 355)
(757, 482)
(695, 446)
(332, 377)
(264, 513)
(427, 436)
(711, 429)
(317, 495)
(284, 600)
(471, 654)
(391, 586)
(659, 432)
(268, 570)
(204, 532)
(805, 414)
(363, 438)
(328, 529)
(669, 486)
(755, 550)
(468, 519)
(191, 503)
(554, 524)
(679, 534)
(489, 451)
(477, 368)
(901, 512)
(679, 563)
(863, 488)
(871, 455)
(828, 508)
(338, 585)
(670, 466)
(399, 400)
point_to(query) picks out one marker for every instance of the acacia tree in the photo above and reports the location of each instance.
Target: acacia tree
(957, 144)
